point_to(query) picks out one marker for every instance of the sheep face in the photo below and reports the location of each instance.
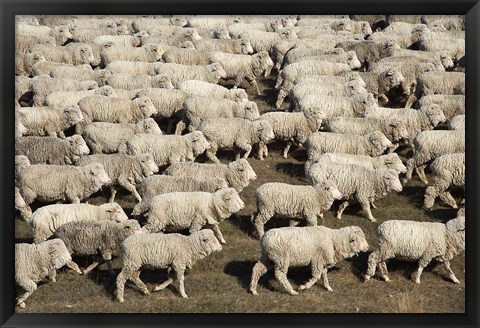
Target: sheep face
(244, 168)
(263, 61)
(446, 59)
(366, 29)
(138, 38)
(96, 172)
(85, 55)
(263, 130)
(131, 227)
(146, 106)
(456, 230)
(392, 181)
(366, 99)
(288, 22)
(239, 95)
(217, 70)
(155, 51)
(58, 253)
(392, 161)
(399, 131)
(88, 85)
(148, 164)
(21, 161)
(355, 87)
(357, 241)
(62, 34)
(221, 34)
(288, 33)
(163, 81)
(328, 186)
(107, 91)
(379, 141)
(73, 114)
(77, 146)
(187, 45)
(19, 201)
(461, 211)
(251, 110)
(199, 142)
(191, 35)
(418, 32)
(352, 60)
(429, 197)
(459, 89)
(20, 129)
(434, 113)
(393, 77)
(33, 58)
(114, 212)
(149, 125)
(219, 183)
(246, 47)
(232, 202)
(208, 241)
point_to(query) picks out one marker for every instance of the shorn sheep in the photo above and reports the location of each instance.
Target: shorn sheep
(319, 247)
(417, 241)
(238, 174)
(163, 251)
(448, 171)
(306, 202)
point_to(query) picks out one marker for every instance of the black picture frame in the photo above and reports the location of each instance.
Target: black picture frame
(8, 317)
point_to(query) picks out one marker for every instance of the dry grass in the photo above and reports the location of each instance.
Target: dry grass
(220, 282)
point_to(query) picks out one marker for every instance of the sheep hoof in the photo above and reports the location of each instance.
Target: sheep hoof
(184, 295)
(366, 277)
(293, 293)
(455, 280)
(373, 219)
(302, 287)
(387, 279)
(22, 305)
(330, 289)
(254, 292)
(339, 217)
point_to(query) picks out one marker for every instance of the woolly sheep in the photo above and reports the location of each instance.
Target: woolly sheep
(292, 127)
(368, 52)
(81, 73)
(62, 99)
(41, 121)
(196, 109)
(451, 104)
(51, 150)
(379, 83)
(167, 149)
(127, 41)
(25, 42)
(429, 145)
(238, 174)
(449, 22)
(393, 129)
(132, 67)
(71, 183)
(35, 262)
(417, 241)
(45, 67)
(124, 170)
(178, 73)
(185, 56)
(176, 211)
(89, 34)
(208, 22)
(205, 89)
(455, 47)
(263, 41)
(448, 171)
(306, 202)
(347, 57)
(321, 248)
(21, 161)
(163, 251)
(142, 23)
(104, 137)
(47, 219)
(237, 29)
(176, 39)
(457, 123)
(240, 67)
(84, 238)
(23, 89)
(24, 62)
(398, 60)
(149, 52)
(295, 54)
(43, 86)
(356, 183)
(372, 144)
(61, 33)
(21, 206)
(76, 55)
(234, 133)
(162, 184)
(114, 110)
(132, 82)
(237, 46)
(438, 83)
(442, 56)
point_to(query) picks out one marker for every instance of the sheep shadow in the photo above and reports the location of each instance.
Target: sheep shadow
(414, 194)
(241, 270)
(442, 214)
(359, 265)
(244, 223)
(291, 169)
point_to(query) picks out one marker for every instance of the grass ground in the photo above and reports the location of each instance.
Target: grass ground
(220, 282)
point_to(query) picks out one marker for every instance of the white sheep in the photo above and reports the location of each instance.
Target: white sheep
(136, 81)
(208, 22)
(132, 67)
(178, 73)
(444, 83)
(347, 57)
(47, 219)
(205, 89)
(429, 145)
(442, 56)
(35, 262)
(124, 170)
(417, 241)
(163, 251)
(292, 127)
(61, 33)
(43, 86)
(74, 54)
(237, 29)
(237, 46)
(320, 247)
(22, 207)
(368, 51)
(449, 22)
(455, 47)
(162, 184)
(451, 105)
(234, 133)
(167, 149)
(238, 174)
(448, 171)
(24, 62)
(62, 99)
(185, 56)
(457, 123)
(295, 202)
(81, 73)
(25, 42)
(149, 52)
(71, 183)
(356, 183)
(104, 137)
(176, 39)
(51, 150)
(263, 41)
(379, 83)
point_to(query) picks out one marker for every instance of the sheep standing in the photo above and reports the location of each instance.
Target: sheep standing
(231, 133)
(238, 174)
(62, 99)
(132, 67)
(379, 83)
(185, 56)
(237, 46)
(444, 83)
(205, 89)
(369, 52)
(457, 123)
(35, 262)
(167, 149)
(149, 53)
(124, 170)
(47, 219)
(51, 150)
(24, 63)
(450, 104)
(43, 86)
(417, 241)
(135, 81)
(176, 211)
(448, 171)
(104, 137)
(178, 73)
(263, 41)
(93, 237)
(320, 247)
(76, 54)
(275, 198)
(163, 251)
(356, 182)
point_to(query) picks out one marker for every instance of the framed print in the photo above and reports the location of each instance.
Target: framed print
(256, 163)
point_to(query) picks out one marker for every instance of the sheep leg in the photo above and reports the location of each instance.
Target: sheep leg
(255, 85)
(52, 275)
(180, 127)
(421, 173)
(130, 187)
(218, 233)
(312, 220)
(286, 149)
(260, 268)
(260, 221)
(281, 275)
(365, 204)
(316, 275)
(72, 265)
(326, 284)
(211, 153)
(373, 205)
(163, 285)
(448, 199)
(113, 192)
(422, 263)
(373, 259)
(179, 274)
(30, 286)
(293, 223)
(410, 167)
(244, 146)
(261, 152)
(137, 281)
(341, 208)
(382, 267)
(91, 267)
(280, 98)
(451, 275)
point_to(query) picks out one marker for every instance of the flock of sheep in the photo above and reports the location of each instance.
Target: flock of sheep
(92, 93)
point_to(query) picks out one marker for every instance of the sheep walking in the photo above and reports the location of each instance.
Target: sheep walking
(417, 241)
(205, 89)
(320, 247)
(163, 251)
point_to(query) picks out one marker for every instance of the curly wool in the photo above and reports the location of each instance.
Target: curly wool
(25, 62)
(205, 89)
(47, 219)
(295, 54)
(457, 123)
(76, 54)
(320, 247)
(451, 105)
(61, 33)
(185, 56)
(51, 150)
(176, 40)
(62, 99)
(132, 67)
(263, 41)
(178, 73)
(439, 83)
(25, 42)
(45, 67)
(149, 53)
(380, 83)
(334, 106)
(80, 73)
(237, 174)
(167, 101)
(344, 89)
(455, 47)
(104, 137)
(367, 51)
(347, 57)
(237, 46)
(43, 86)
